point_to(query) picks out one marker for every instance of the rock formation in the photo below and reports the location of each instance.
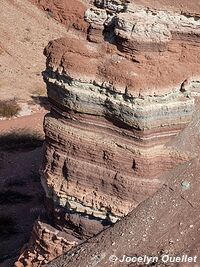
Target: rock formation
(118, 98)
(148, 229)
(45, 245)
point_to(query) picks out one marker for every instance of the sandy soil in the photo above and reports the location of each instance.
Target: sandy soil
(25, 31)
(29, 122)
(184, 6)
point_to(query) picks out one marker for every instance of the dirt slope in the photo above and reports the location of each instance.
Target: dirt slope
(179, 5)
(25, 31)
(70, 13)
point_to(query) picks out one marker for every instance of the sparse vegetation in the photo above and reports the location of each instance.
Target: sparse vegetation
(7, 226)
(9, 197)
(9, 108)
(20, 139)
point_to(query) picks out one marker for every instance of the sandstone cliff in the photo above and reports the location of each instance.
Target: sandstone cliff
(148, 229)
(119, 95)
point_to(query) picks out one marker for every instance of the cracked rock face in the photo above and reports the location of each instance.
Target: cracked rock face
(46, 244)
(136, 28)
(114, 5)
(117, 99)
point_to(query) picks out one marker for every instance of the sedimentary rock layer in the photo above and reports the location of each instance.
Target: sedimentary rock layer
(165, 224)
(114, 134)
(45, 245)
(117, 99)
(135, 28)
(149, 74)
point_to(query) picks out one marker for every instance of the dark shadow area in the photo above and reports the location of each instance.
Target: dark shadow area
(9, 197)
(21, 195)
(7, 226)
(42, 101)
(22, 139)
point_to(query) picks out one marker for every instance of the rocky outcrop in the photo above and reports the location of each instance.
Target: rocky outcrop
(137, 28)
(118, 157)
(165, 224)
(117, 100)
(45, 245)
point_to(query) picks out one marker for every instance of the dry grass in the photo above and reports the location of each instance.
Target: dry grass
(9, 108)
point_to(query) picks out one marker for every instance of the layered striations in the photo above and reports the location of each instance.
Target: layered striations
(163, 228)
(113, 136)
(45, 245)
(117, 99)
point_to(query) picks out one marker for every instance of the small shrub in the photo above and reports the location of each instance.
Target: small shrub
(9, 108)
(9, 197)
(7, 226)
(20, 139)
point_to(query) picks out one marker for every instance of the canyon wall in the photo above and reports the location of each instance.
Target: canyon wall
(149, 230)
(119, 94)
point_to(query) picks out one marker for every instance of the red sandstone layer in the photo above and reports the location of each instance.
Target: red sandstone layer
(153, 74)
(69, 13)
(165, 224)
(117, 99)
